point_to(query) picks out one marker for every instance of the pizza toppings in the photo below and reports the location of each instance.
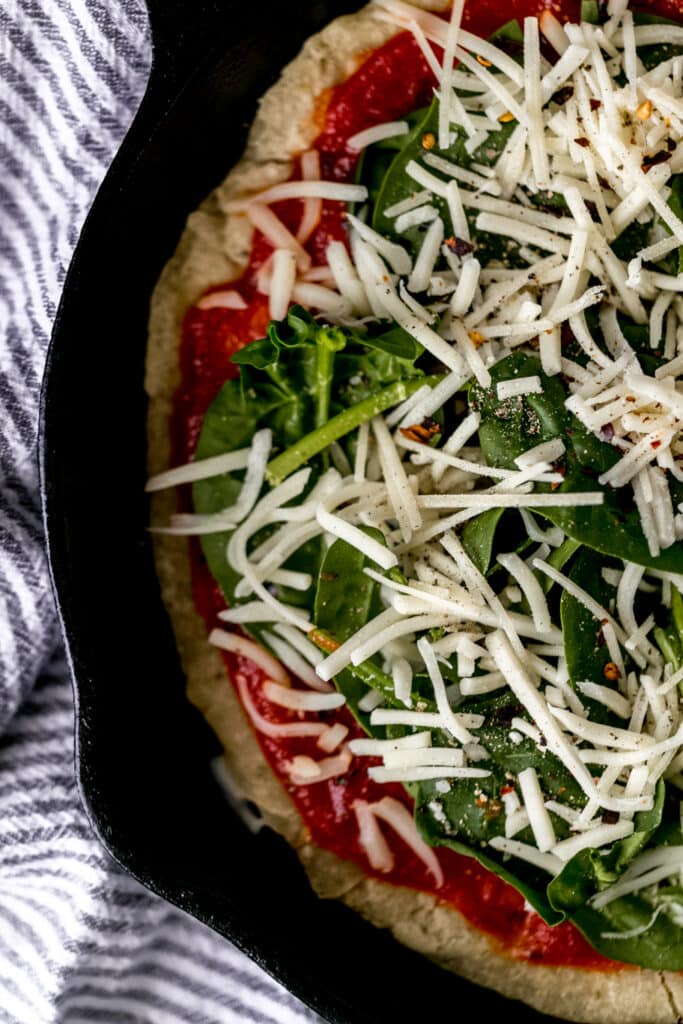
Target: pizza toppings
(483, 553)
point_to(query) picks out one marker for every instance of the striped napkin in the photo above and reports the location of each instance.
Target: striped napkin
(79, 940)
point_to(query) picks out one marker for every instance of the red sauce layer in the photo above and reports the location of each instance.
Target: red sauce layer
(389, 83)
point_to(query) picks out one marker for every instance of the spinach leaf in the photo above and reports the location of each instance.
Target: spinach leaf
(590, 11)
(674, 263)
(346, 597)
(478, 536)
(657, 944)
(631, 240)
(526, 879)
(470, 813)
(511, 31)
(654, 914)
(670, 637)
(345, 600)
(291, 381)
(304, 382)
(585, 650)
(669, 642)
(360, 375)
(230, 423)
(397, 185)
(558, 558)
(512, 426)
(374, 162)
(655, 53)
(590, 871)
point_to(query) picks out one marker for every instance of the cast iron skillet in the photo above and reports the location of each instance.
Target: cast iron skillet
(143, 752)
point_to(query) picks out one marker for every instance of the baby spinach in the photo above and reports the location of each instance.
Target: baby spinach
(526, 879)
(512, 426)
(478, 537)
(301, 451)
(374, 162)
(655, 53)
(590, 871)
(471, 813)
(657, 944)
(290, 381)
(674, 262)
(229, 424)
(558, 558)
(590, 11)
(346, 598)
(654, 914)
(397, 185)
(670, 636)
(510, 32)
(585, 649)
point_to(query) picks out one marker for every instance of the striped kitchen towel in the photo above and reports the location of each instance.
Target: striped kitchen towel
(79, 940)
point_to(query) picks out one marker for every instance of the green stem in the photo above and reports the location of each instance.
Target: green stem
(298, 454)
(368, 673)
(324, 371)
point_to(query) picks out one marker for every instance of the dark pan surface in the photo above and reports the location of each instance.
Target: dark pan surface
(143, 751)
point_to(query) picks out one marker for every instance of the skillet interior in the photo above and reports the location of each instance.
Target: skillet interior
(142, 750)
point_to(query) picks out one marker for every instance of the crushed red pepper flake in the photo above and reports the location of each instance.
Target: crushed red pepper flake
(428, 140)
(657, 158)
(421, 432)
(644, 111)
(611, 672)
(459, 246)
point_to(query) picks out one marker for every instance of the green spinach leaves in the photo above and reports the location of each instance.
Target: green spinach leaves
(514, 425)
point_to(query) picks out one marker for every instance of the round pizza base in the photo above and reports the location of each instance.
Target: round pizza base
(213, 249)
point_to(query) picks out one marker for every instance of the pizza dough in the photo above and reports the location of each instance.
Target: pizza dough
(212, 250)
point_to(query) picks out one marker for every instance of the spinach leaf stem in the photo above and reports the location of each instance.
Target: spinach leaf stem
(343, 423)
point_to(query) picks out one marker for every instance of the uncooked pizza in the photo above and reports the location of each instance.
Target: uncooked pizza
(416, 448)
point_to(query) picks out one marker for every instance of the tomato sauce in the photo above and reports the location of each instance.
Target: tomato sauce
(389, 83)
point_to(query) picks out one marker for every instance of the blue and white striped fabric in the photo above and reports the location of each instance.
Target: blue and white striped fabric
(79, 941)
